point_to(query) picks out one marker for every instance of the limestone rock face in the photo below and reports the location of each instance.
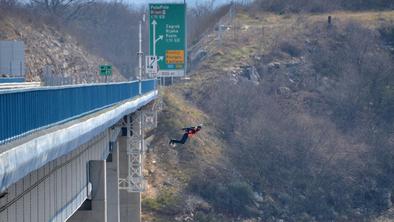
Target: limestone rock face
(52, 52)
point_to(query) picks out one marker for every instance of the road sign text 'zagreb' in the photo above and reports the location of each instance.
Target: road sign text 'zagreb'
(167, 38)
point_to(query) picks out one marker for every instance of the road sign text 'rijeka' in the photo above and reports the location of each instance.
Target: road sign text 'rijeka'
(167, 39)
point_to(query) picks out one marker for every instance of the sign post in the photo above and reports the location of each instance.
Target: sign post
(167, 38)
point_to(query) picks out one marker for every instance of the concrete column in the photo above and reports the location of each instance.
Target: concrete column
(112, 184)
(130, 203)
(98, 210)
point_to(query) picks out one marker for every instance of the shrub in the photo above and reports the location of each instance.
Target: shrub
(208, 217)
(290, 48)
(235, 197)
(354, 57)
(240, 197)
(167, 203)
(387, 34)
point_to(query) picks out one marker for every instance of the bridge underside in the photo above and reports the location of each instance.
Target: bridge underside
(54, 192)
(80, 185)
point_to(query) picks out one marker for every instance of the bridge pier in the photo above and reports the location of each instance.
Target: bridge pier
(130, 203)
(112, 183)
(94, 210)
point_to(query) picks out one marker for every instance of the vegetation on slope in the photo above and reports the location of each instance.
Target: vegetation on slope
(171, 170)
(318, 6)
(311, 138)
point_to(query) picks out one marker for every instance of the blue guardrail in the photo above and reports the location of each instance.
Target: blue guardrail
(12, 79)
(25, 111)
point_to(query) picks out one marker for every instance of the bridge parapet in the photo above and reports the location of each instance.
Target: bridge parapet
(25, 111)
(19, 158)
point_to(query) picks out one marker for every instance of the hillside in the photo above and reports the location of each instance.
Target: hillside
(169, 170)
(298, 123)
(48, 46)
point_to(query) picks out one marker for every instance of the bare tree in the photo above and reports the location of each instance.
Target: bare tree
(67, 9)
(204, 17)
(7, 3)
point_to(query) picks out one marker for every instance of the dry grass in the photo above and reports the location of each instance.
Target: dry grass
(367, 19)
(257, 34)
(205, 144)
(174, 167)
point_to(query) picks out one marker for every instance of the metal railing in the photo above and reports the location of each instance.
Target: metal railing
(25, 111)
(12, 79)
(148, 85)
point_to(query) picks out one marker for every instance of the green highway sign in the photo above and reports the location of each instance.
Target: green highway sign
(167, 38)
(105, 70)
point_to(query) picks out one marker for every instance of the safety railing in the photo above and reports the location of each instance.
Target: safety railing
(148, 86)
(26, 111)
(12, 79)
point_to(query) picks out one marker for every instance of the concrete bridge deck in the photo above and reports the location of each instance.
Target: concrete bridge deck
(70, 170)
